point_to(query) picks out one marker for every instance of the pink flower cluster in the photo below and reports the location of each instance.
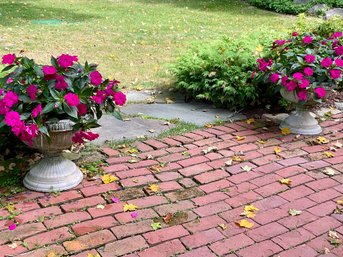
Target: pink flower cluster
(263, 65)
(66, 60)
(26, 133)
(80, 136)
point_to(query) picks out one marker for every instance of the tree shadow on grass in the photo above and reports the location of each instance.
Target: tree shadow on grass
(229, 6)
(13, 13)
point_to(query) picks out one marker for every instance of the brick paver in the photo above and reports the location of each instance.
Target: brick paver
(203, 195)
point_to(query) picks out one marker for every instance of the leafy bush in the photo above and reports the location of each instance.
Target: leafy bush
(219, 72)
(290, 7)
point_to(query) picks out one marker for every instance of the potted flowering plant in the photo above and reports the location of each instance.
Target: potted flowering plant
(49, 107)
(304, 68)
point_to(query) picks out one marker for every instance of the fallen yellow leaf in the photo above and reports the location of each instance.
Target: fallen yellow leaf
(208, 125)
(286, 181)
(154, 188)
(10, 207)
(223, 226)
(155, 168)
(245, 224)
(340, 202)
(285, 131)
(108, 178)
(130, 207)
(239, 138)
(250, 208)
(237, 158)
(277, 150)
(261, 141)
(329, 154)
(322, 140)
(250, 121)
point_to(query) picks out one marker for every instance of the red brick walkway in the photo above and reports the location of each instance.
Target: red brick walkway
(202, 192)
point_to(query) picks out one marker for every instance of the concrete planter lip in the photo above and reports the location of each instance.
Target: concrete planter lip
(54, 172)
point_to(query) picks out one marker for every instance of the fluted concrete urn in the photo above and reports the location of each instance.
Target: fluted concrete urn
(54, 172)
(299, 121)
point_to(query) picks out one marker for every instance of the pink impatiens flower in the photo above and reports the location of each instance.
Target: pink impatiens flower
(12, 118)
(32, 92)
(60, 83)
(81, 135)
(302, 95)
(308, 71)
(9, 80)
(309, 58)
(326, 62)
(66, 60)
(82, 109)
(339, 50)
(304, 83)
(291, 85)
(280, 42)
(335, 74)
(284, 80)
(298, 76)
(337, 34)
(10, 99)
(36, 111)
(274, 77)
(320, 92)
(96, 78)
(295, 34)
(339, 62)
(72, 99)
(12, 227)
(49, 72)
(263, 64)
(8, 59)
(100, 97)
(119, 98)
(307, 40)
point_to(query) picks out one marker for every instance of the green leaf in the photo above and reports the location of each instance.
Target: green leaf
(44, 130)
(55, 94)
(117, 115)
(7, 68)
(70, 110)
(25, 116)
(54, 62)
(156, 225)
(38, 71)
(48, 108)
(2, 123)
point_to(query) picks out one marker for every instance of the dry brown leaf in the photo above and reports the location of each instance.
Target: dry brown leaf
(155, 168)
(168, 217)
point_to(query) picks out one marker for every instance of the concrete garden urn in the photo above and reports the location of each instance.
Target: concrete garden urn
(300, 121)
(54, 172)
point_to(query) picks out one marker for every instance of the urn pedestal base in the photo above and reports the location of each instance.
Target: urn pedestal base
(53, 174)
(301, 122)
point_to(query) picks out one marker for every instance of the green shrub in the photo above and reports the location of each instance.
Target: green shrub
(289, 7)
(220, 72)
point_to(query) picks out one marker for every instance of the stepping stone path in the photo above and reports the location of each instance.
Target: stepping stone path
(205, 180)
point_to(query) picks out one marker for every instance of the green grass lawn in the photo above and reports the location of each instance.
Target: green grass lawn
(132, 40)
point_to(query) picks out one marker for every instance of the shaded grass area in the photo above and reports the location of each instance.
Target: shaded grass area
(132, 40)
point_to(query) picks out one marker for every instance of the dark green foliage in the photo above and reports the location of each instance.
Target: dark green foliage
(220, 72)
(289, 7)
